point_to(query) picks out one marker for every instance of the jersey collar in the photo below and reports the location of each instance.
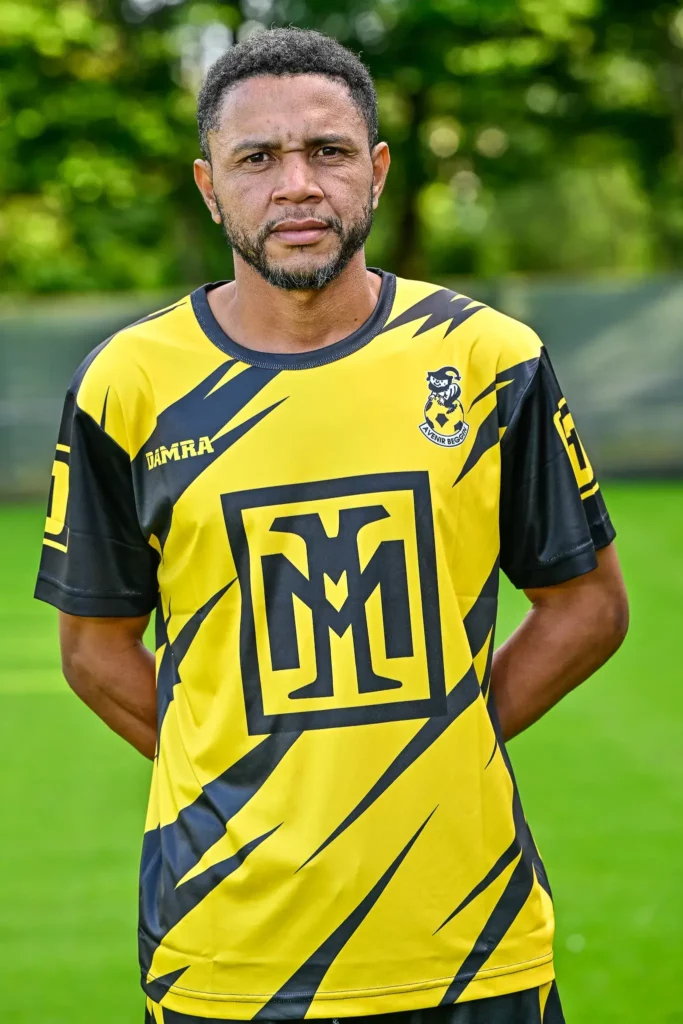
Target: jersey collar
(303, 360)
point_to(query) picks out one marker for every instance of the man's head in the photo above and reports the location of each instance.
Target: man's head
(292, 168)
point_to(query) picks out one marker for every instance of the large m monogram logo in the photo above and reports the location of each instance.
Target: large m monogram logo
(337, 559)
(340, 616)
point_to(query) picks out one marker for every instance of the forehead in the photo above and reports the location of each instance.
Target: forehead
(288, 108)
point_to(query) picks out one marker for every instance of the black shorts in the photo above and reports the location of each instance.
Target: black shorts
(533, 1006)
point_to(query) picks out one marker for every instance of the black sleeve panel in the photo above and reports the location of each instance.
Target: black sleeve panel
(95, 560)
(552, 515)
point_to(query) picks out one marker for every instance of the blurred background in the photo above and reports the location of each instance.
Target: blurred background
(537, 165)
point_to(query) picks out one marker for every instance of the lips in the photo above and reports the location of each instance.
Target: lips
(300, 232)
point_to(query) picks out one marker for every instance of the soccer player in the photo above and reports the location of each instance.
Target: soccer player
(313, 474)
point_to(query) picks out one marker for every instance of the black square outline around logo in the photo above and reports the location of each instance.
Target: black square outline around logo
(258, 723)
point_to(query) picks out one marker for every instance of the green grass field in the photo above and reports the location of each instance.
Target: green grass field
(601, 778)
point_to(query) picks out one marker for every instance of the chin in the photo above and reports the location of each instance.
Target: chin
(308, 263)
(303, 265)
(304, 256)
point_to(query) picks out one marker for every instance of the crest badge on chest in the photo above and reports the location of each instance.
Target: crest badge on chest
(444, 416)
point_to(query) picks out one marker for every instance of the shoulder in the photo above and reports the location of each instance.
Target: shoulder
(113, 383)
(513, 341)
(428, 305)
(115, 358)
(129, 380)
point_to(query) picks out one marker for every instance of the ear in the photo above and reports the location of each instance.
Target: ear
(381, 159)
(203, 176)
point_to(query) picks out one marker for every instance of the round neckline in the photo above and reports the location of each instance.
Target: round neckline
(295, 360)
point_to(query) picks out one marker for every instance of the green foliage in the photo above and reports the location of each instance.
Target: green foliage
(526, 134)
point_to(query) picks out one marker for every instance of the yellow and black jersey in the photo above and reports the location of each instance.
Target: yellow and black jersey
(334, 828)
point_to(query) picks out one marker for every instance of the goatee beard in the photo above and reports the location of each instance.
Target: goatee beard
(253, 251)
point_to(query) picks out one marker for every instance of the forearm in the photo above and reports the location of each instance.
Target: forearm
(567, 635)
(139, 731)
(540, 663)
(114, 675)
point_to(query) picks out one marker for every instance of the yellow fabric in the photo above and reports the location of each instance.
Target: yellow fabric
(543, 993)
(356, 420)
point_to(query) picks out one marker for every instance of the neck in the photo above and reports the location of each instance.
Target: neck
(268, 319)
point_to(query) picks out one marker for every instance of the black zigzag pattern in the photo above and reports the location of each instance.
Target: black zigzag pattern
(170, 851)
(514, 896)
(481, 618)
(439, 307)
(299, 991)
(522, 843)
(480, 623)
(509, 386)
(458, 700)
(179, 902)
(158, 988)
(168, 675)
(202, 412)
(506, 857)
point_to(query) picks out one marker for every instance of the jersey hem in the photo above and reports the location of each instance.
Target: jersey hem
(363, 1002)
(91, 605)
(603, 533)
(573, 564)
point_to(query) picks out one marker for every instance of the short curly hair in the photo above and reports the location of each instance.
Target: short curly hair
(285, 51)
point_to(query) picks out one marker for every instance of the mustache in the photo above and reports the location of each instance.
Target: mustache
(334, 223)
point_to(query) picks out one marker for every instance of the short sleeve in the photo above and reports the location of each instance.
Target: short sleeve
(553, 517)
(95, 559)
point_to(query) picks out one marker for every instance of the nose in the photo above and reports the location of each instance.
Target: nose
(297, 182)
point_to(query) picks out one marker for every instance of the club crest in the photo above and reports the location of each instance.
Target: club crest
(444, 416)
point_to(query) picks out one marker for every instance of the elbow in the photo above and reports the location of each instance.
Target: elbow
(611, 609)
(79, 652)
(76, 665)
(72, 667)
(613, 616)
(623, 621)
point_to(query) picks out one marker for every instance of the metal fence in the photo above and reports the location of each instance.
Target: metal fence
(617, 346)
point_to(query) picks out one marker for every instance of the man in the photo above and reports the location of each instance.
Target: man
(313, 473)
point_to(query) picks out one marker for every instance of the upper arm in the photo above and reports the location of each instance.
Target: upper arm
(87, 641)
(77, 629)
(599, 594)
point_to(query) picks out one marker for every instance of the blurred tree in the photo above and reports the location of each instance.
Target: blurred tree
(526, 134)
(98, 111)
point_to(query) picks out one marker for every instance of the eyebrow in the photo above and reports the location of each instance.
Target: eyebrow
(318, 140)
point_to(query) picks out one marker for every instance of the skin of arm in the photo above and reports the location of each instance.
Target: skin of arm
(571, 630)
(107, 665)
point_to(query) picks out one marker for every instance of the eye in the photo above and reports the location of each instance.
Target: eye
(256, 158)
(330, 151)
